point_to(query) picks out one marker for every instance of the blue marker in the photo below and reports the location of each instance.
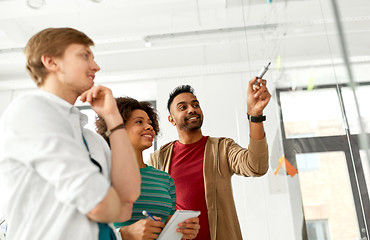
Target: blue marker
(146, 214)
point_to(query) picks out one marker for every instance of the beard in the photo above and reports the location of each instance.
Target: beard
(191, 125)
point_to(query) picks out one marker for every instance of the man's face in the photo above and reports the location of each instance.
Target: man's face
(185, 112)
(77, 68)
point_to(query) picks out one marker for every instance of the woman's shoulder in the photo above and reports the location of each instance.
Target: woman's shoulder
(154, 171)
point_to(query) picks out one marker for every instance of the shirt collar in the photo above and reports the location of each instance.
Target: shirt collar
(65, 106)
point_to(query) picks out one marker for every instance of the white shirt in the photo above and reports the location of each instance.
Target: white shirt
(47, 181)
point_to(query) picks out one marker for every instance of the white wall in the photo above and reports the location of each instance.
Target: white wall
(5, 99)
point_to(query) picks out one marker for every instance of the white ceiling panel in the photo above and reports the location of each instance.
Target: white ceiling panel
(137, 38)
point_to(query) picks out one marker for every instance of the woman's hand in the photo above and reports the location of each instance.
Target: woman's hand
(145, 229)
(189, 228)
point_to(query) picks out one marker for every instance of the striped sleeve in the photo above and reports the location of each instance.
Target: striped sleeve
(158, 196)
(173, 195)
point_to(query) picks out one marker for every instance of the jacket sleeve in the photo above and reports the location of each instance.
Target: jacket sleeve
(160, 159)
(251, 161)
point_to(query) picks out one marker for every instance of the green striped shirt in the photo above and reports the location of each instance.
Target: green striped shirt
(158, 196)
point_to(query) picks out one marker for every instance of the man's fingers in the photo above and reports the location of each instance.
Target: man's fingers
(83, 97)
(260, 90)
(265, 95)
(96, 90)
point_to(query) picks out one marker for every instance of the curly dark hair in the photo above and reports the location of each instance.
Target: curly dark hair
(178, 90)
(125, 106)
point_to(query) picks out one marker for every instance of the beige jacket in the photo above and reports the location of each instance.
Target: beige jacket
(222, 158)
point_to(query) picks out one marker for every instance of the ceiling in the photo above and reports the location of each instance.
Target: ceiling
(152, 39)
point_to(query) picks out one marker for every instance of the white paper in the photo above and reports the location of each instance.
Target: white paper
(169, 231)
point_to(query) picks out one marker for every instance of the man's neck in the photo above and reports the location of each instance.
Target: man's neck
(186, 137)
(53, 86)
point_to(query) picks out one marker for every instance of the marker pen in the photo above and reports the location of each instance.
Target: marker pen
(262, 72)
(146, 214)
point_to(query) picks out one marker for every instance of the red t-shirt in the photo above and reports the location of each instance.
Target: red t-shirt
(186, 169)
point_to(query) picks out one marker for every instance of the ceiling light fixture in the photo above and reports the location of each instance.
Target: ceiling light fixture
(208, 33)
(36, 4)
(147, 43)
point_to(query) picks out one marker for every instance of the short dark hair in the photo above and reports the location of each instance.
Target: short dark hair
(178, 90)
(126, 106)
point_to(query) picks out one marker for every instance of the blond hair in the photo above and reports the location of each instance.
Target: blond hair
(50, 42)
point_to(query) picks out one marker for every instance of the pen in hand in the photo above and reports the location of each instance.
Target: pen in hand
(146, 214)
(262, 73)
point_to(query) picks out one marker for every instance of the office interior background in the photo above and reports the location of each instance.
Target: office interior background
(318, 121)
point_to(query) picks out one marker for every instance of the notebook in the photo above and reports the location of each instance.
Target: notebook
(169, 231)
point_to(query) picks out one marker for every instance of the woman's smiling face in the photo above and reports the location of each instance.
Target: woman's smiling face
(140, 130)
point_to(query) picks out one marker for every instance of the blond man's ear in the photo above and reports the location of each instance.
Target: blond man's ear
(49, 63)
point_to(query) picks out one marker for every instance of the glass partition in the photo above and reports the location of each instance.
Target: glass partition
(327, 196)
(331, 159)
